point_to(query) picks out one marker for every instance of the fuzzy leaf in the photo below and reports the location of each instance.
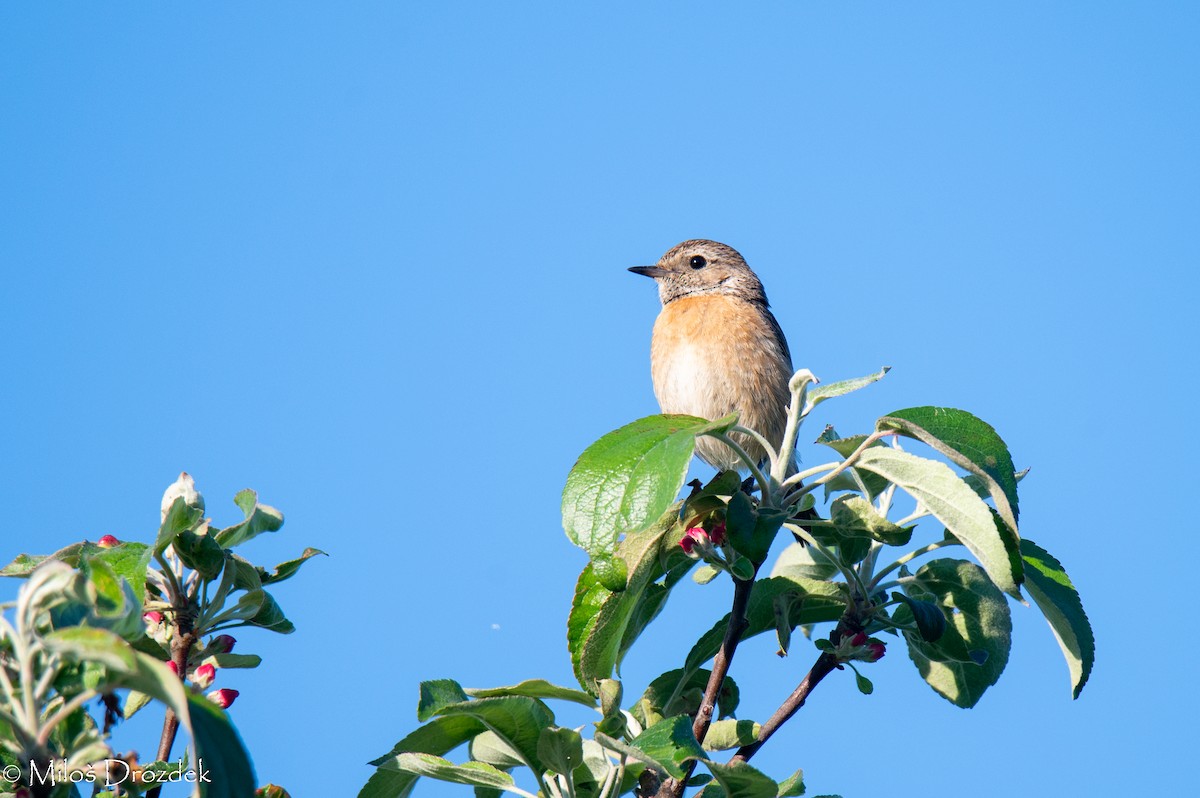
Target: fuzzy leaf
(740, 780)
(475, 773)
(726, 734)
(817, 601)
(259, 518)
(968, 442)
(561, 750)
(953, 503)
(971, 653)
(819, 393)
(668, 744)
(534, 688)
(286, 570)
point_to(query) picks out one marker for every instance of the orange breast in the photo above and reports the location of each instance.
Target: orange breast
(712, 355)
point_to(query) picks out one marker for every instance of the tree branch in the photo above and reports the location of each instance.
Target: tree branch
(673, 788)
(824, 665)
(181, 651)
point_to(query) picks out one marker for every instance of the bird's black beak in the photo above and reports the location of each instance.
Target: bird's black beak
(649, 271)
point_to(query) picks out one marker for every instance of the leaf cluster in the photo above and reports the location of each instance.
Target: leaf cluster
(848, 569)
(131, 623)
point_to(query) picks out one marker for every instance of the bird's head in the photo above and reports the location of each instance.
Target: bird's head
(701, 268)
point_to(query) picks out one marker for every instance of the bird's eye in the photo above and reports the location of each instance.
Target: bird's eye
(697, 262)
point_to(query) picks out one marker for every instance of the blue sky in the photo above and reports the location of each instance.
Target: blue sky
(370, 260)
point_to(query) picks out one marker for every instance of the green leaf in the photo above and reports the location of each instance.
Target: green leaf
(104, 587)
(862, 682)
(129, 561)
(248, 605)
(134, 702)
(83, 644)
(792, 786)
(439, 736)
(681, 692)
(436, 695)
(600, 618)
(783, 621)
(534, 688)
(221, 751)
(844, 481)
(270, 616)
(806, 562)
(952, 502)
(611, 572)
(288, 569)
(259, 518)
(233, 660)
(1051, 589)
(518, 720)
(968, 442)
(817, 601)
(477, 773)
(973, 650)
(611, 692)
(595, 769)
(711, 497)
(752, 530)
(625, 480)
(181, 516)
(981, 486)
(726, 734)
(490, 747)
(740, 519)
(706, 573)
(155, 679)
(819, 393)
(742, 569)
(201, 553)
(561, 750)
(24, 564)
(741, 780)
(668, 744)
(931, 624)
(855, 517)
(674, 564)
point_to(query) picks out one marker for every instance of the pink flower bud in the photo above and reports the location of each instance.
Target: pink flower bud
(222, 644)
(859, 639)
(718, 534)
(153, 617)
(204, 676)
(107, 542)
(174, 668)
(875, 651)
(223, 698)
(695, 538)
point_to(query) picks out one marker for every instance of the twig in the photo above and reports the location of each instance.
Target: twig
(673, 788)
(181, 650)
(824, 665)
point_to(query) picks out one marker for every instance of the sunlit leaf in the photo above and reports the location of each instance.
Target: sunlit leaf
(952, 502)
(1052, 591)
(625, 481)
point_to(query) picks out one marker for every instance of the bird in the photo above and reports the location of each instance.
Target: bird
(717, 348)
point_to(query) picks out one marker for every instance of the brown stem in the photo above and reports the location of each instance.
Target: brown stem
(824, 665)
(673, 788)
(181, 651)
